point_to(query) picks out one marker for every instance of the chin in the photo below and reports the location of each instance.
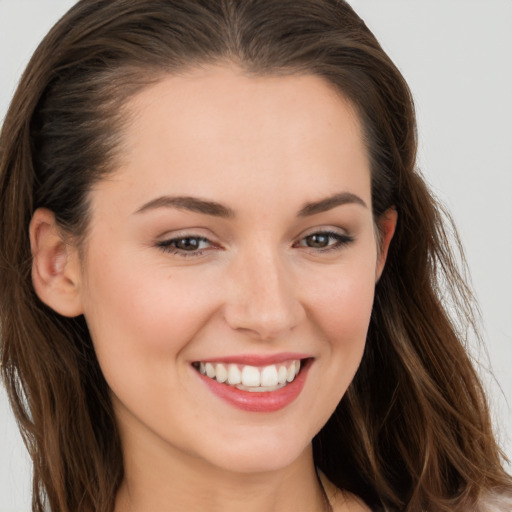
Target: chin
(261, 456)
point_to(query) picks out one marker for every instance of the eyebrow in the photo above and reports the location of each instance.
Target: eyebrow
(329, 203)
(191, 204)
(194, 204)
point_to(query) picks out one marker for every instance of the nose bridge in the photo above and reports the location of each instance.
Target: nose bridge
(263, 298)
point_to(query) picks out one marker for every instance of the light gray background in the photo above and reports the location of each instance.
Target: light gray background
(457, 57)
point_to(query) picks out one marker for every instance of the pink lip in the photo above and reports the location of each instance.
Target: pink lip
(267, 401)
(258, 360)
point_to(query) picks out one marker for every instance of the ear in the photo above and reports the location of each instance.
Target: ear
(386, 226)
(55, 265)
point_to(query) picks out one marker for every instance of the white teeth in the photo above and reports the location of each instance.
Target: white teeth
(234, 375)
(221, 374)
(290, 374)
(210, 370)
(281, 374)
(251, 378)
(269, 376)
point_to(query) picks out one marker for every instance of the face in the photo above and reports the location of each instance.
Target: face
(235, 238)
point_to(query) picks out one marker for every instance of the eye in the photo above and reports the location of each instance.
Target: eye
(325, 240)
(185, 245)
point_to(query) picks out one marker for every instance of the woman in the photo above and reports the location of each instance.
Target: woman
(223, 300)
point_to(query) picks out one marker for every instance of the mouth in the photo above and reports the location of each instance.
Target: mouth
(256, 379)
(257, 387)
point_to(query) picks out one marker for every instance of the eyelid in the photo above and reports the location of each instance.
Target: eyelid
(324, 229)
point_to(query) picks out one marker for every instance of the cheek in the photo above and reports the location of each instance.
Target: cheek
(137, 313)
(340, 308)
(342, 301)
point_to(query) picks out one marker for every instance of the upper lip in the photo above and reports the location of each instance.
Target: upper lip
(256, 359)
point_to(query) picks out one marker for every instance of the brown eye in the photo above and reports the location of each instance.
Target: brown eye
(325, 241)
(187, 244)
(318, 240)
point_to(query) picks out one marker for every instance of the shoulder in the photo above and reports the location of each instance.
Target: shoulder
(343, 501)
(495, 502)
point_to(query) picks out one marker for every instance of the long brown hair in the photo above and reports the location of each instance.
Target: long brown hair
(413, 430)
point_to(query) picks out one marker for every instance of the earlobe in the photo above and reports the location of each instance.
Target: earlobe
(387, 224)
(55, 265)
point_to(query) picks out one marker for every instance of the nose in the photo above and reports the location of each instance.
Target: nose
(262, 297)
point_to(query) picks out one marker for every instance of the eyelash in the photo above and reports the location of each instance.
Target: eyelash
(169, 246)
(340, 240)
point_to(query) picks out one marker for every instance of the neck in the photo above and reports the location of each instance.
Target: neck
(182, 483)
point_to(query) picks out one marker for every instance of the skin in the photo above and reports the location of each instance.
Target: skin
(262, 147)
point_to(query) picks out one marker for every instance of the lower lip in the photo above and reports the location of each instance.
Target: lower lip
(266, 401)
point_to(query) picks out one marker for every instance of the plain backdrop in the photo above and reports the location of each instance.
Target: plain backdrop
(457, 58)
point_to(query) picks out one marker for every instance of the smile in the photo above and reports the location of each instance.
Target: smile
(262, 386)
(251, 378)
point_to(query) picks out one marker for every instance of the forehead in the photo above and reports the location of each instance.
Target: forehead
(218, 131)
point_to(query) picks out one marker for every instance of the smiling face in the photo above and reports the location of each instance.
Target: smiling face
(236, 238)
